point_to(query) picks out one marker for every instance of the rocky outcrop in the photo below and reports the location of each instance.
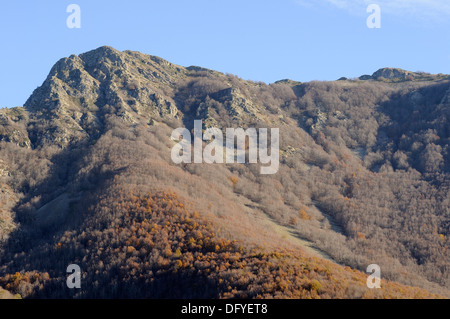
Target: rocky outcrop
(365, 77)
(80, 92)
(13, 127)
(392, 73)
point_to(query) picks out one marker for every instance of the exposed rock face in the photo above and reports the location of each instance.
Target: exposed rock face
(365, 77)
(81, 91)
(237, 105)
(13, 127)
(398, 75)
(391, 73)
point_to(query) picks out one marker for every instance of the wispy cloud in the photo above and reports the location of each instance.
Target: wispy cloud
(413, 8)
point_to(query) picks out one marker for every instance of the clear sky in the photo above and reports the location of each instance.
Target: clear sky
(255, 39)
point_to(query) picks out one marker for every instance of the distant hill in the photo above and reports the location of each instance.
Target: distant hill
(86, 178)
(399, 75)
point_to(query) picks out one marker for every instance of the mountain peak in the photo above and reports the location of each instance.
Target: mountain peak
(393, 73)
(400, 75)
(96, 56)
(80, 91)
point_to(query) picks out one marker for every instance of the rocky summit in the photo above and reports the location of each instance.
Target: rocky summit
(86, 178)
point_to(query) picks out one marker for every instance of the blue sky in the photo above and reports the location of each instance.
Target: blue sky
(258, 40)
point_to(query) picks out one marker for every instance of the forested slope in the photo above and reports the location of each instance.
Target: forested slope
(364, 177)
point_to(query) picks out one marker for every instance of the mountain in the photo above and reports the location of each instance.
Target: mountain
(399, 75)
(87, 178)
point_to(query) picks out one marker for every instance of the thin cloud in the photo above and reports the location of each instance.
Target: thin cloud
(420, 9)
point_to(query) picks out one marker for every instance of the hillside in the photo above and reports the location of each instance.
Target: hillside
(86, 177)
